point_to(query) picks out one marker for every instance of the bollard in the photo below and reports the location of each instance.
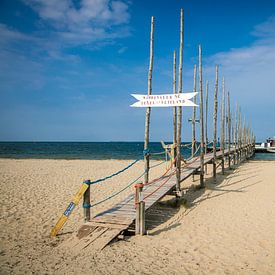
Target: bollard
(86, 202)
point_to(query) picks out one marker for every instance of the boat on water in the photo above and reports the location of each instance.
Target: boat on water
(266, 147)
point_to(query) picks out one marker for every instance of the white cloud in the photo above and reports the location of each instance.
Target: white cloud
(249, 74)
(265, 30)
(92, 21)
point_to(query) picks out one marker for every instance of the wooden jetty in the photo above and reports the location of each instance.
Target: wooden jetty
(107, 225)
(130, 213)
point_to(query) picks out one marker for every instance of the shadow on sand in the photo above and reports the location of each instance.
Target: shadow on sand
(166, 210)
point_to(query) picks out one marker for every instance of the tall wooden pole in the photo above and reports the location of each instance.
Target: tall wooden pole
(194, 113)
(201, 120)
(233, 129)
(175, 108)
(222, 124)
(236, 135)
(148, 111)
(206, 116)
(244, 139)
(239, 135)
(229, 129)
(178, 173)
(215, 124)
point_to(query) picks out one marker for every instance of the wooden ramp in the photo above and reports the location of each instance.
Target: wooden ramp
(107, 225)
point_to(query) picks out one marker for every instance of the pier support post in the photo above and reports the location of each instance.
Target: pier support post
(194, 117)
(140, 210)
(222, 124)
(201, 121)
(179, 113)
(86, 202)
(142, 217)
(215, 125)
(148, 110)
(229, 130)
(206, 122)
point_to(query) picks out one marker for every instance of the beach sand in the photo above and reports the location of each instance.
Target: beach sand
(227, 228)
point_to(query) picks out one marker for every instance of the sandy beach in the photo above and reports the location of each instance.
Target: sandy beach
(227, 228)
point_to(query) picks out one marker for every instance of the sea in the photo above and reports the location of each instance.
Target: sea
(91, 150)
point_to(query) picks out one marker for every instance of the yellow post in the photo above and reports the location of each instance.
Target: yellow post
(70, 208)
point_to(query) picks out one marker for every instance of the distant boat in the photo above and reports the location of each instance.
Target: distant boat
(266, 147)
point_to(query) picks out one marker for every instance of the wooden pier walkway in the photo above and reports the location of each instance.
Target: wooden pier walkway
(107, 225)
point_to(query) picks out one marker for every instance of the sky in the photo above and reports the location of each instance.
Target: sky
(68, 67)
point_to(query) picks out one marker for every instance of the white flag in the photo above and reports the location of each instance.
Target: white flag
(164, 100)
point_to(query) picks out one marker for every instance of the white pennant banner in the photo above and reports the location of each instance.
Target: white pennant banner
(165, 100)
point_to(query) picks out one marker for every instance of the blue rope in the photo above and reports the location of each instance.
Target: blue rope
(86, 205)
(146, 152)
(115, 174)
(120, 191)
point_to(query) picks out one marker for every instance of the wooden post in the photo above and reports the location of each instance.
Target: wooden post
(142, 217)
(206, 121)
(206, 117)
(178, 172)
(148, 111)
(239, 136)
(139, 208)
(233, 140)
(194, 113)
(174, 108)
(201, 121)
(194, 116)
(245, 139)
(236, 135)
(86, 203)
(222, 124)
(229, 129)
(215, 125)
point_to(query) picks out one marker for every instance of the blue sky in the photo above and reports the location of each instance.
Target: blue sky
(68, 67)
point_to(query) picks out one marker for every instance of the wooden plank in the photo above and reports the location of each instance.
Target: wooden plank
(108, 225)
(114, 220)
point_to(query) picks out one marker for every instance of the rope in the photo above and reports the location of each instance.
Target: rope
(186, 145)
(154, 180)
(194, 153)
(115, 174)
(118, 192)
(158, 153)
(159, 186)
(156, 165)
